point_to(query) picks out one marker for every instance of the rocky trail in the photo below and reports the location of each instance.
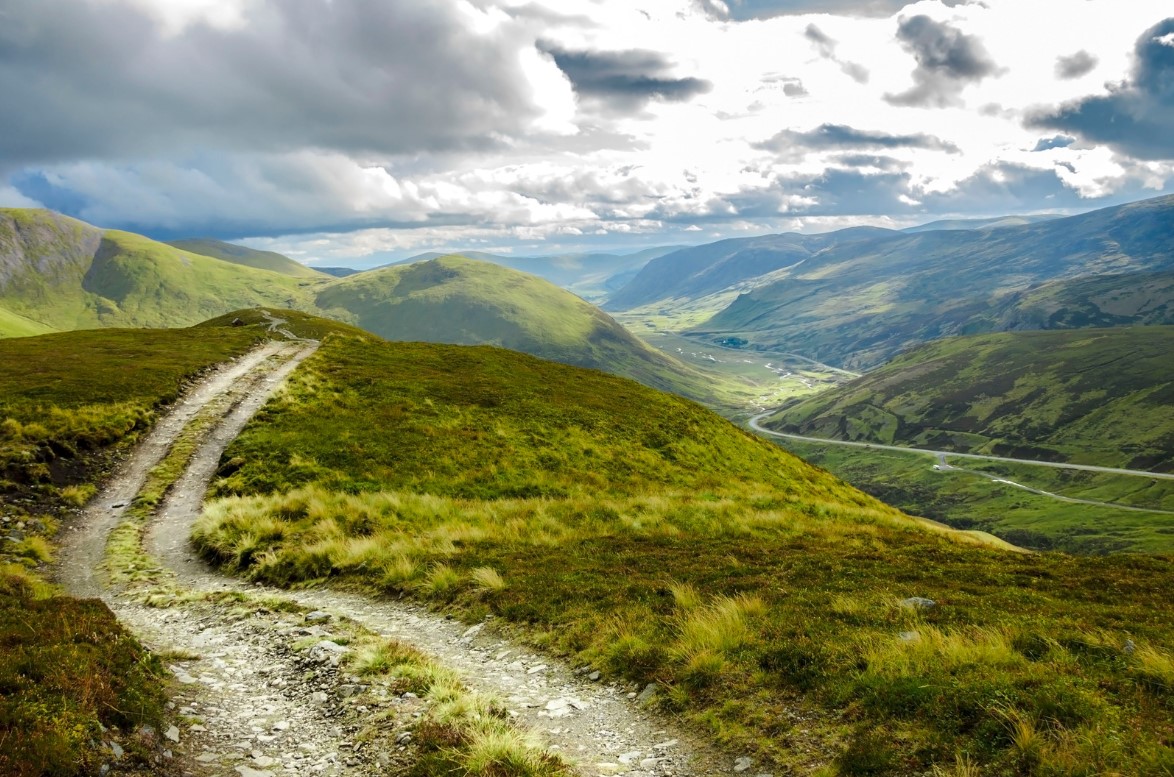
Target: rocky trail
(262, 684)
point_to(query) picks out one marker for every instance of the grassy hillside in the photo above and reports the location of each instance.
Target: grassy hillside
(858, 304)
(461, 301)
(59, 273)
(760, 597)
(1096, 396)
(65, 274)
(592, 276)
(72, 677)
(248, 257)
(13, 325)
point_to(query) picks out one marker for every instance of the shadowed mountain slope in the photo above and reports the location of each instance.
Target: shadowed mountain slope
(856, 305)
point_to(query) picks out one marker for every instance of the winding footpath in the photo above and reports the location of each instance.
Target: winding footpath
(257, 704)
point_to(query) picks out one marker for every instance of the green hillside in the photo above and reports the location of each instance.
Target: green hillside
(72, 676)
(1095, 396)
(66, 274)
(592, 276)
(13, 325)
(638, 533)
(248, 257)
(461, 301)
(58, 273)
(857, 304)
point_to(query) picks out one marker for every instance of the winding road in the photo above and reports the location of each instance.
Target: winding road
(756, 425)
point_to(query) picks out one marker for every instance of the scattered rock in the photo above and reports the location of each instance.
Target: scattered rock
(1128, 647)
(908, 636)
(116, 749)
(743, 764)
(594, 677)
(646, 694)
(172, 734)
(318, 616)
(918, 603)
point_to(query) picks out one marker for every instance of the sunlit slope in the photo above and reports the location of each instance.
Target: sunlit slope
(641, 534)
(859, 304)
(1097, 396)
(14, 325)
(65, 274)
(248, 257)
(466, 302)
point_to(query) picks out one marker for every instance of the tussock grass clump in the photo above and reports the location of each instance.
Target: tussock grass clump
(463, 731)
(440, 582)
(487, 579)
(723, 626)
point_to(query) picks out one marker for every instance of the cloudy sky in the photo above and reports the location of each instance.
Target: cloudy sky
(355, 131)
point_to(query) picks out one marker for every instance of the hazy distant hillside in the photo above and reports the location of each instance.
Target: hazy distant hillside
(592, 276)
(992, 223)
(64, 274)
(249, 257)
(461, 301)
(1100, 396)
(707, 269)
(856, 305)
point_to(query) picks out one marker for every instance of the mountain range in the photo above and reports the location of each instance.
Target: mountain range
(858, 296)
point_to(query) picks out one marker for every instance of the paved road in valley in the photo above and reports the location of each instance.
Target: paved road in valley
(756, 426)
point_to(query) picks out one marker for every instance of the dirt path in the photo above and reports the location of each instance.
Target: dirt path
(84, 545)
(256, 708)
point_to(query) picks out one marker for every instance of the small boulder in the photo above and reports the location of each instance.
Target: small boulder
(918, 603)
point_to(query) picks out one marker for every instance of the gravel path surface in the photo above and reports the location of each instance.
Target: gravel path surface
(256, 703)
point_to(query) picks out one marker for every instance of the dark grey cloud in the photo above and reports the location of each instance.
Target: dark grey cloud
(1058, 141)
(842, 136)
(947, 61)
(624, 80)
(826, 46)
(1075, 65)
(1136, 116)
(91, 80)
